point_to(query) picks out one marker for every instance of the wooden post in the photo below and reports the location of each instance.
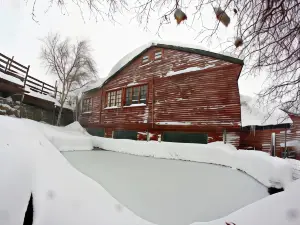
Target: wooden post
(42, 88)
(12, 59)
(6, 66)
(273, 144)
(285, 148)
(224, 136)
(27, 71)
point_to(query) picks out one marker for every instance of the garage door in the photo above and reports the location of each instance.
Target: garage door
(183, 137)
(96, 131)
(125, 134)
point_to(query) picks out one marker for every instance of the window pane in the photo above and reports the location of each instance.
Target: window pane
(119, 98)
(135, 95)
(108, 99)
(143, 94)
(128, 96)
(113, 98)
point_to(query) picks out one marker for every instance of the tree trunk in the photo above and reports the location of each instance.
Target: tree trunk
(59, 115)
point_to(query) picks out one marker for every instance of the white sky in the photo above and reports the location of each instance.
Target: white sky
(20, 36)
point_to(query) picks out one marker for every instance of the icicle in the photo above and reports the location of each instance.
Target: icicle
(238, 42)
(179, 16)
(222, 16)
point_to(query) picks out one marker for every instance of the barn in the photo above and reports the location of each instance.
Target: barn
(177, 93)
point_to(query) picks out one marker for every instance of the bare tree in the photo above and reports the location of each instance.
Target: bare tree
(269, 30)
(73, 64)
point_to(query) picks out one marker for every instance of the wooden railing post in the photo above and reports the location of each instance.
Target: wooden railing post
(42, 88)
(6, 66)
(26, 75)
(12, 59)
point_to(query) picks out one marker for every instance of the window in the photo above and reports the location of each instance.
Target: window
(145, 59)
(114, 98)
(136, 95)
(158, 55)
(87, 105)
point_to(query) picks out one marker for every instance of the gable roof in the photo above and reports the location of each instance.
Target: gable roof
(196, 49)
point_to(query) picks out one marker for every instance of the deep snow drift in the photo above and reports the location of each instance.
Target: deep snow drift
(63, 196)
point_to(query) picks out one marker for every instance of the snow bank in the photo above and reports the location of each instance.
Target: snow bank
(279, 209)
(296, 167)
(61, 194)
(270, 171)
(70, 138)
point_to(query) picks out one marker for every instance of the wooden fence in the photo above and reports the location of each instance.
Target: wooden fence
(10, 67)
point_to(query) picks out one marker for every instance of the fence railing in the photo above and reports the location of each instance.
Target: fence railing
(10, 67)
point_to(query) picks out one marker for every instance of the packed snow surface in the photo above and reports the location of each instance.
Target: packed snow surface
(30, 162)
(268, 170)
(169, 192)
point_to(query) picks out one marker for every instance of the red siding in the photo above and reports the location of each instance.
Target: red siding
(208, 99)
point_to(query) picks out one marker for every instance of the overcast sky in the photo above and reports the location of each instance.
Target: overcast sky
(20, 36)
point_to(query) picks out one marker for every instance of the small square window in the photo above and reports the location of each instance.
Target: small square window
(158, 55)
(145, 59)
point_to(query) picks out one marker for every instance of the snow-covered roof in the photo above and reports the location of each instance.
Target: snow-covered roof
(167, 44)
(198, 49)
(254, 114)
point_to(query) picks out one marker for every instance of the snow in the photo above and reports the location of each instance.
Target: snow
(6, 106)
(189, 69)
(132, 84)
(61, 194)
(64, 196)
(134, 105)
(155, 194)
(253, 114)
(268, 170)
(69, 138)
(45, 97)
(112, 107)
(127, 58)
(174, 123)
(292, 143)
(296, 167)
(279, 209)
(11, 78)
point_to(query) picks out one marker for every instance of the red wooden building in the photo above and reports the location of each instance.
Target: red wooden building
(179, 92)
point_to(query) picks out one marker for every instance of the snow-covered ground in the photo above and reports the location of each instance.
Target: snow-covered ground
(30, 161)
(169, 192)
